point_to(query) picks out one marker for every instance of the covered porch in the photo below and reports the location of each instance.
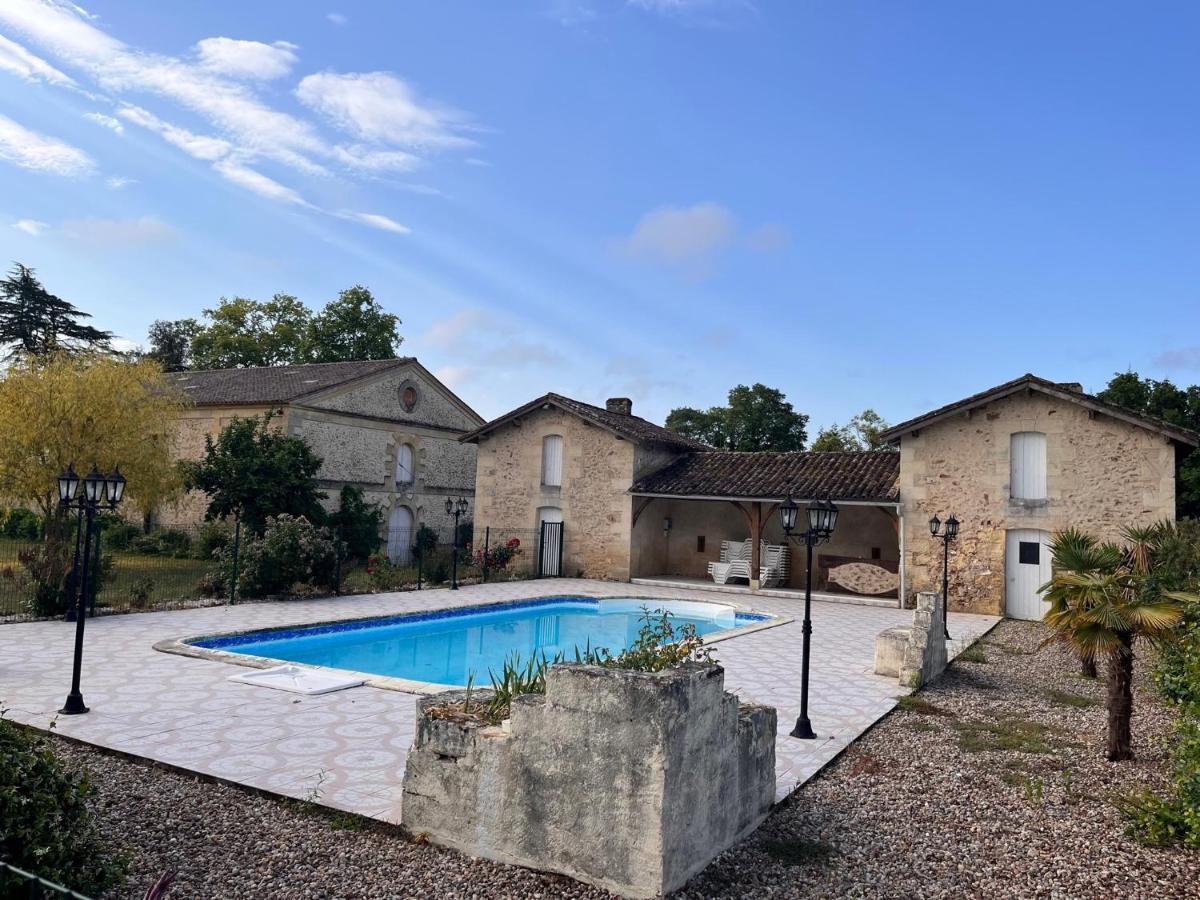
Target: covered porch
(686, 515)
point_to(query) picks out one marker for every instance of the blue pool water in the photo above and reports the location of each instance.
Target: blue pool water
(444, 646)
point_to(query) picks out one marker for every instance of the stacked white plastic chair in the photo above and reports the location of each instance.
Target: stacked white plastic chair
(734, 562)
(775, 565)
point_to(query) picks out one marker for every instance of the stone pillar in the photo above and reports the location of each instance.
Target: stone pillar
(925, 659)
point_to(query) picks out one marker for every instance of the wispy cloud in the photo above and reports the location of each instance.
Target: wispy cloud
(689, 237)
(247, 59)
(16, 59)
(1183, 358)
(375, 220)
(117, 182)
(119, 233)
(105, 121)
(200, 146)
(30, 150)
(30, 226)
(494, 344)
(260, 184)
(336, 18)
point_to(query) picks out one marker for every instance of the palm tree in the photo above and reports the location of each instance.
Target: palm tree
(1102, 597)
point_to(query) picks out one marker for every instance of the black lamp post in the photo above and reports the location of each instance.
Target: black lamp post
(456, 508)
(822, 518)
(100, 492)
(951, 532)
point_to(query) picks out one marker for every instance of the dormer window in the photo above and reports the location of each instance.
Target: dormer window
(552, 445)
(1027, 462)
(405, 470)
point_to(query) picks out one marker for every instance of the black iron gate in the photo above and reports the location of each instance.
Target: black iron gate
(550, 550)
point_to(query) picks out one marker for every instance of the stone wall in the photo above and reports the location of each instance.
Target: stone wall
(632, 781)
(597, 471)
(1102, 474)
(380, 398)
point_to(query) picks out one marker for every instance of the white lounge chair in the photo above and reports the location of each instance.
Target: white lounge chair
(774, 565)
(734, 562)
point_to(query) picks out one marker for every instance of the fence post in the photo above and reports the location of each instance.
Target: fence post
(337, 574)
(487, 540)
(237, 542)
(97, 575)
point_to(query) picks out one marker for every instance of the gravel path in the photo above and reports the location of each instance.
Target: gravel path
(924, 805)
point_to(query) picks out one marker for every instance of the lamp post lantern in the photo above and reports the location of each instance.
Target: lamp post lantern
(456, 508)
(100, 492)
(822, 518)
(948, 534)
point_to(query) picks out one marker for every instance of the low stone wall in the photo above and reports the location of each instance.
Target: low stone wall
(916, 653)
(632, 781)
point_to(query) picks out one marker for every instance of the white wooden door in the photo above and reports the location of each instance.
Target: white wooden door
(400, 536)
(1026, 568)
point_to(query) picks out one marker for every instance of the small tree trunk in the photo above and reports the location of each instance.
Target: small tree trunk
(1087, 667)
(1120, 701)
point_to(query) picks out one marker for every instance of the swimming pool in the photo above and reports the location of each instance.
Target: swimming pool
(444, 646)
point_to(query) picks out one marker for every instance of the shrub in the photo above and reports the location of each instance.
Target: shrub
(46, 823)
(424, 543)
(356, 523)
(22, 525)
(116, 533)
(141, 591)
(164, 542)
(211, 539)
(291, 550)
(497, 558)
(384, 576)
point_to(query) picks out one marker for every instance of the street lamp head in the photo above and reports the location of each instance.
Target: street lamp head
(93, 486)
(68, 484)
(935, 526)
(822, 517)
(463, 505)
(952, 527)
(449, 507)
(787, 514)
(114, 486)
(832, 516)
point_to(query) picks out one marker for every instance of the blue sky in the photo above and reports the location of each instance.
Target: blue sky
(863, 204)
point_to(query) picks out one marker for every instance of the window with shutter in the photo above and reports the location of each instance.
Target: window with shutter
(405, 473)
(552, 446)
(1027, 460)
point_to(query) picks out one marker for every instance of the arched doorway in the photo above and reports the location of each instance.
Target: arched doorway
(400, 536)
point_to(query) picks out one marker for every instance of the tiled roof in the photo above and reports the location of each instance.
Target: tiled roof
(868, 476)
(631, 427)
(274, 384)
(1068, 392)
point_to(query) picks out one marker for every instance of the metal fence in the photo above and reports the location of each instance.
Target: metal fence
(181, 567)
(21, 885)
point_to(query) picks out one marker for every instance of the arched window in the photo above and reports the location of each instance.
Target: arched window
(1027, 466)
(552, 445)
(405, 471)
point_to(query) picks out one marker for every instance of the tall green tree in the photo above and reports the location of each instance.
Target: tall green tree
(1179, 406)
(862, 433)
(171, 343)
(354, 326)
(757, 418)
(34, 321)
(243, 332)
(252, 471)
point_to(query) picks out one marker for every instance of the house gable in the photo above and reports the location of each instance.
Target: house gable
(407, 393)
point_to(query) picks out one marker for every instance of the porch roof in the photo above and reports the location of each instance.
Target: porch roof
(866, 477)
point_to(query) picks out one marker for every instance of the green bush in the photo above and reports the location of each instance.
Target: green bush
(356, 523)
(212, 538)
(164, 542)
(425, 542)
(292, 550)
(46, 823)
(116, 533)
(22, 525)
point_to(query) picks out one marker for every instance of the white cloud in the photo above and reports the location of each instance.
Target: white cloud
(247, 59)
(1183, 358)
(681, 235)
(381, 108)
(375, 220)
(768, 238)
(31, 150)
(445, 332)
(30, 226)
(454, 377)
(16, 59)
(116, 182)
(118, 233)
(476, 161)
(105, 121)
(198, 145)
(257, 182)
(336, 18)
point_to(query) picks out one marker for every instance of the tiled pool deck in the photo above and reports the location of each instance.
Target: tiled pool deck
(347, 749)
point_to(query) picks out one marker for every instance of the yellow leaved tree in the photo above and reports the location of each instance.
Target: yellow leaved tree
(88, 410)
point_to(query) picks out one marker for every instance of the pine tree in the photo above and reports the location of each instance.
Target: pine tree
(34, 321)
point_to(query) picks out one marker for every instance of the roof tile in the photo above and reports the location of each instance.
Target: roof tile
(274, 384)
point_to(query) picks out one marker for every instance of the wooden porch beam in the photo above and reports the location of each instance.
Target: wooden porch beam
(639, 507)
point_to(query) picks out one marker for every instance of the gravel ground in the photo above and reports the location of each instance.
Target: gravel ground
(924, 805)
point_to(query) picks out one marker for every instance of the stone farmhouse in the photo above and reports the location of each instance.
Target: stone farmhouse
(388, 426)
(1014, 463)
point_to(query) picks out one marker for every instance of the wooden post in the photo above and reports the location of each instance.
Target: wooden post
(756, 526)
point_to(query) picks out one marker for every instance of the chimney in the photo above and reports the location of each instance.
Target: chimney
(620, 405)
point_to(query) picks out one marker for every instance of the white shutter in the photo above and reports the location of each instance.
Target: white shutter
(404, 464)
(552, 445)
(1027, 455)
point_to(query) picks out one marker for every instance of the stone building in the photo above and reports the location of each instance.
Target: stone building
(386, 426)
(1014, 463)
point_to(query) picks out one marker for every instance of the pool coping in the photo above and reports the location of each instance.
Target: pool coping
(185, 646)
